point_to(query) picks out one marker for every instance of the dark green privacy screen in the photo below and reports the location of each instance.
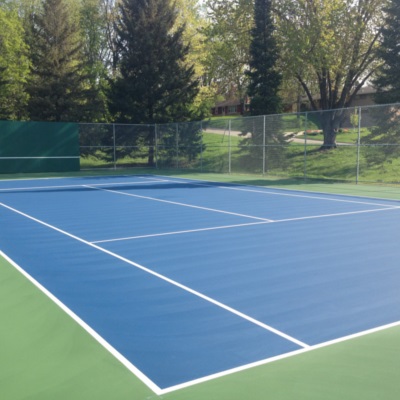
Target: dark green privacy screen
(38, 147)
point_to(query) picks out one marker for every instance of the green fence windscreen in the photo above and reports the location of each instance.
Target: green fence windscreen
(38, 147)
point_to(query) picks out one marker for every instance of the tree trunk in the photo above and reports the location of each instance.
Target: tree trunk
(329, 139)
(331, 122)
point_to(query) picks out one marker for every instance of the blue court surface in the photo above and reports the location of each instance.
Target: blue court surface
(187, 280)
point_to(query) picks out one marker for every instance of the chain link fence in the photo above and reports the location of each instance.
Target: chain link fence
(360, 144)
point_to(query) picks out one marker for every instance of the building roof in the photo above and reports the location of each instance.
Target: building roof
(231, 102)
(227, 103)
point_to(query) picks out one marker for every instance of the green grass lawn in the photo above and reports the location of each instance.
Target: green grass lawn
(375, 164)
(347, 136)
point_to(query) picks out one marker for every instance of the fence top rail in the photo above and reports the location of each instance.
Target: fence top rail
(113, 123)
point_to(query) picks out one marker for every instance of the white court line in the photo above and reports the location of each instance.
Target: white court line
(267, 191)
(150, 178)
(130, 366)
(242, 225)
(87, 328)
(280, 357)
(37, 157)
(180, 232)
(178, 203)
(336, 215)
(309, 197)
(79, 186)
(170, 389)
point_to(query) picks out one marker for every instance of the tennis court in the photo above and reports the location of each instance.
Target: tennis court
(186, 281)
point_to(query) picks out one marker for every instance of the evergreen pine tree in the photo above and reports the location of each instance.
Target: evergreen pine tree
(387, 81)
(264, 82)
(57, 89)
(154, 84)
(264, 78)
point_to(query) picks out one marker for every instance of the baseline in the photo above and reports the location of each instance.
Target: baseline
(85, 326)
(281, 357)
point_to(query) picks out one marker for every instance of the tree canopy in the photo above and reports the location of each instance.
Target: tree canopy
(118, 61)
(228, 41)
(14, 66)
(154, 83)
(57, 87)
(387, 79)
(264, 77)
(330, 47)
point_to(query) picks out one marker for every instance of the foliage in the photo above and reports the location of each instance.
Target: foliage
(384, 135)
(154, 85)
(189, 15)
(264, 85)
(92, 21)
(387, 80)
(57, 88)
(204, 101)
(228, 41)
(14, 66)
(264, 77)
(330, 45)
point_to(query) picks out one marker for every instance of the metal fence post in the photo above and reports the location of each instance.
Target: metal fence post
(305, 146)
(115, 150)
(229, 148)
(156, 145)
(358, 145)
(177, 146)
(201, 147)
(264, 142)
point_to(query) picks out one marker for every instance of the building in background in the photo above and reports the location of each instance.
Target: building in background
(236, 107)
(231, 107)
(364, 97)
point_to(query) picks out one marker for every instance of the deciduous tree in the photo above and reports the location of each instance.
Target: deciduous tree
(330, 45)
(228, 43)
(191, 15)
